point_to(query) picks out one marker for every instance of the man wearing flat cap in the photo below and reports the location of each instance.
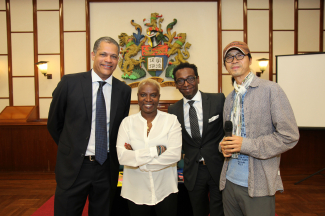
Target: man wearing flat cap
(264, 127)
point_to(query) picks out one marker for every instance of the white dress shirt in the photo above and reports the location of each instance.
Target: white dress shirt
(107, 91)
(199, 111)
(147, 177)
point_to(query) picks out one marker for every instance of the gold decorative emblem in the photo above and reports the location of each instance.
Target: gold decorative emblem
(162, 53)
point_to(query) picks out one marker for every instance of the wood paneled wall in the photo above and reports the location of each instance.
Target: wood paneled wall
(47, 31)
(31, 148)
(27, 147)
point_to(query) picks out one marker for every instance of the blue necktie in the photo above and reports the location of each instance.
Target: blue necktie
(194, 123)
(101, 126)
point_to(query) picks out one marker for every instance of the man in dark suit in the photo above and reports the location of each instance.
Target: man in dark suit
(200, 115)
(85, 114)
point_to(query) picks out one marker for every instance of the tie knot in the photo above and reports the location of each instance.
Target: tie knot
(191, 102)
(101, 84)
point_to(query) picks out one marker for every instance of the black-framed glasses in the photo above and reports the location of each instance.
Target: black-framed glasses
(230, 58)
(190, 80)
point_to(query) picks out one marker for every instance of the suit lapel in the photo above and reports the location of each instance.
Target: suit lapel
(114, 102)
(206, 111)
(86, 83)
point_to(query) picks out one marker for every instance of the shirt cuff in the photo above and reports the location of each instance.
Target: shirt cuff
(153, 152)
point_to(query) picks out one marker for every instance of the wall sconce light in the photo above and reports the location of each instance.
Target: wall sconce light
(42, 66)
(263, 62)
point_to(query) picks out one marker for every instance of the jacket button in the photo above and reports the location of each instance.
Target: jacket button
(87, 137)
(82, 155)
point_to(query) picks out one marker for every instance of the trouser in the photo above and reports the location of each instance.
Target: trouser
(202, 205)
(93, 180)
(237, 202)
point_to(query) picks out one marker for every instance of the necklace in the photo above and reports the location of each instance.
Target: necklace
(149, 126)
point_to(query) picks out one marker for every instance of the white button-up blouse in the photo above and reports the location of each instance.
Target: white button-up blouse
(147, 177)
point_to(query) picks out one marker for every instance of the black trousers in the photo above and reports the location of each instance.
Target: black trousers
(94, 181)
(167, 207)
(202, 205)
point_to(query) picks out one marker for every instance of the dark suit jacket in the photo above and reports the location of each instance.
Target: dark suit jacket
(69, 123)
(212, 105)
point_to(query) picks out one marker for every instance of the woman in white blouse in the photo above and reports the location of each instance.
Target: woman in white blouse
(149, 145)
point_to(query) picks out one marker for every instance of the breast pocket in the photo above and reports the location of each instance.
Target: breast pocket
(213, 119)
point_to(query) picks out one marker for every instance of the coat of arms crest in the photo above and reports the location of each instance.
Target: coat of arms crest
(159, 51)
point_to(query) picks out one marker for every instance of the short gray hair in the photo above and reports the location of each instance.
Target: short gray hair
(107, 40)
(151, 82)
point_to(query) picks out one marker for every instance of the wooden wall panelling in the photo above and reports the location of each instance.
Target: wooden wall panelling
(74, 21)
(4, 87)
(270, 40)
(3, 103)
(219, 27)
(309, 3)
(321, 26)
(74, 52)
(229, 8)
(36, 56)
(26, 148)
(11, 100)
(48, 31)
(308, 30)
(21, 14)
(46, 86)
(283, 45)
(47, 5)
(245, 21)
(230, 30)
(283, 14)
(255, 67)
(296, 26)
(24, 96)
(3, 33)
(6, 146)
(258, 4)
(87, 35)
(3, 5)
(44, 104)
(307, 155)
(22, 54)
(227, 84)
(31, 148)
(61, 39)
(258, 30)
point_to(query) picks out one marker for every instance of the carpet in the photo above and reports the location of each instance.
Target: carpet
(47, 209)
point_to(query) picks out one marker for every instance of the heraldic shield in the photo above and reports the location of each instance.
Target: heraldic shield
(155, 59)
(159, 51)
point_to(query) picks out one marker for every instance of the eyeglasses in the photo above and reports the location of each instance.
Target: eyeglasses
(189, 80)
(239, 56)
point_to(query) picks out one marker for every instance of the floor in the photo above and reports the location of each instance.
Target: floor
(22, 193)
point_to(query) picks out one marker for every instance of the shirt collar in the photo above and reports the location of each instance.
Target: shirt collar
(96, 78)
(197, 97)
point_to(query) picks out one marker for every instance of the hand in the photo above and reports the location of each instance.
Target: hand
(128, 146)
(231, 145)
